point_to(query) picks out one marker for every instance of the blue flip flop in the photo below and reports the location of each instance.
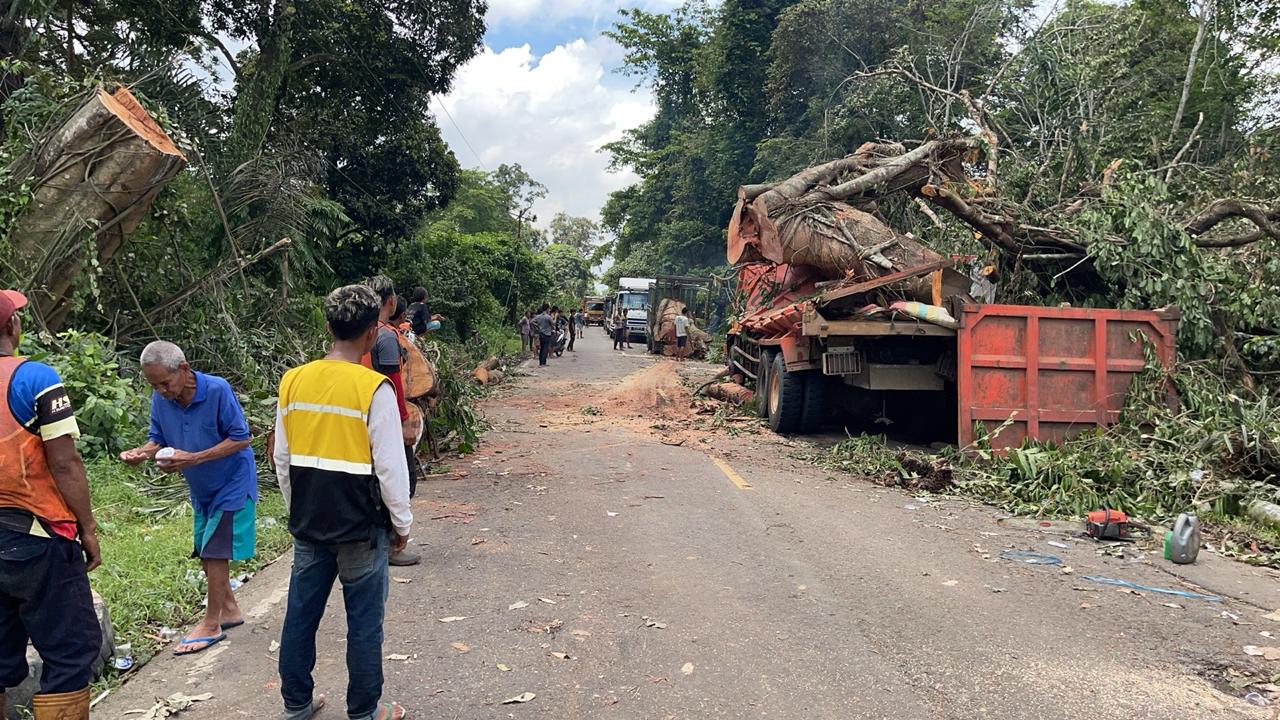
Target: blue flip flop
(228, 626)
(208, 643)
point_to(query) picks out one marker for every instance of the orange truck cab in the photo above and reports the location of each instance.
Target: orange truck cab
(593, 309)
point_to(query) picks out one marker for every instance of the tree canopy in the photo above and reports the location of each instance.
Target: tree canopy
(1118, 147)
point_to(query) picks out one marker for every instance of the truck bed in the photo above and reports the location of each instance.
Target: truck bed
(814, 324)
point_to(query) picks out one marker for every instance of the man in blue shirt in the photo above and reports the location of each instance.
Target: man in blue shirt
(198, 429)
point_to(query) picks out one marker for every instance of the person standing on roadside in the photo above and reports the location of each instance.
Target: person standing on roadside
(526, 331)
(546, 327)
(387, 358)
(572, 326)
(621, 334)
(44, 508)
(345, 482)
(581, 320)
(682, 335)
(198, 429)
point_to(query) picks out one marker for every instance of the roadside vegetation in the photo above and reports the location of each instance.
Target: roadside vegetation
(286, 194)
(1214, 454)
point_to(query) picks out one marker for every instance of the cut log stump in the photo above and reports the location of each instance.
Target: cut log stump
(92, 178)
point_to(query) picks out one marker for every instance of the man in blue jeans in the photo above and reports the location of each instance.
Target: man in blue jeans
(340, 460)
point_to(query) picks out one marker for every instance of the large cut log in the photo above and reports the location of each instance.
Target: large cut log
(819, 219)
(665, 333)
(487, 372)
(92, 181)
(836, 240)
(419, 375)
(730, 392)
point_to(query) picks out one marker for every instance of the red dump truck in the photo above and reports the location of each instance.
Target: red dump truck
(821, 351)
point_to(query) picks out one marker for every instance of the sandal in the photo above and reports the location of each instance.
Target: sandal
(390, 711)
(317, 704)
(208, 643)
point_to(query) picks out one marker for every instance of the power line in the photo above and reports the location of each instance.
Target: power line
(459, 129)
(392, 96)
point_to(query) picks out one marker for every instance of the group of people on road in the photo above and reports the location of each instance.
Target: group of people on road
(544, 331)
(622, 333)
(344, 456)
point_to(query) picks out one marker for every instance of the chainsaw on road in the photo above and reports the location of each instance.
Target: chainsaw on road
(1106, 524)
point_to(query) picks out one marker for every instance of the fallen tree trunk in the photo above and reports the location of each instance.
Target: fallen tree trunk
(807, 220)
(731, 392)
(93, 178)
(487, 373)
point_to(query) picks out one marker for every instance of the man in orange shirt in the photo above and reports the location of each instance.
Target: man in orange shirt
(386, 357)
(48, 537)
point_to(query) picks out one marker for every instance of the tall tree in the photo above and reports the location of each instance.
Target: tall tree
(581, 234)
(522, 192)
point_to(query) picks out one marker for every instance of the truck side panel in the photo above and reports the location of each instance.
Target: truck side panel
(1051, 373)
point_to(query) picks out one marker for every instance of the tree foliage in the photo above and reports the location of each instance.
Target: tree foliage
(1124, 153)
(472, 261)
(307, 121)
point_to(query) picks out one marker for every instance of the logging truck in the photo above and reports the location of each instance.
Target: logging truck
(1007, 372)
(845, 321)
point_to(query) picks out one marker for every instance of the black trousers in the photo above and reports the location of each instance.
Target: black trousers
(412, 458)
(44, 596)
(544, 346)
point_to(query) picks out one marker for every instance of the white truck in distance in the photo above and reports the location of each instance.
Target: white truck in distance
(632, 296)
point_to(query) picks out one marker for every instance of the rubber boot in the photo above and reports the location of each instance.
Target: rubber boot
(62, 706)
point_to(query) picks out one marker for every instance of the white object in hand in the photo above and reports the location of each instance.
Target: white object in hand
(164, 455)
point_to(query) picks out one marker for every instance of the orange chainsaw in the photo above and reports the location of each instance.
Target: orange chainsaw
(1108, 524)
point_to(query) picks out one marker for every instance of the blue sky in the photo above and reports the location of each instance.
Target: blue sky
(543, 93)
(542, 37)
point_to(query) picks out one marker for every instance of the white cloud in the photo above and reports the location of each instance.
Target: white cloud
(502, 12)
(551, 114)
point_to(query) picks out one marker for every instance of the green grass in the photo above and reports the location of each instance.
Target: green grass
(147, 577)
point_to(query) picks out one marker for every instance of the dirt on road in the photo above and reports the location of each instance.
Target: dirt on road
(618, 549)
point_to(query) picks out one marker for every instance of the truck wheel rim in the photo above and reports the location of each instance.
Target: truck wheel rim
(774, 390)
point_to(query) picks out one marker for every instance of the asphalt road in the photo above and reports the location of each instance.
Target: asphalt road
(619, 556)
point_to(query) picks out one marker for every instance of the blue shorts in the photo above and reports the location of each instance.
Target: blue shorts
(225, 534)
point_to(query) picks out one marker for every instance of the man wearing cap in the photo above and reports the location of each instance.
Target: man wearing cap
(48, 537)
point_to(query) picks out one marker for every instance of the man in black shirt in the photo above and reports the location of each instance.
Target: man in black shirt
(420, 317)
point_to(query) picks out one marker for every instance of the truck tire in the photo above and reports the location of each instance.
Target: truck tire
(785, 397)
(817, 388)
(762, 383)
